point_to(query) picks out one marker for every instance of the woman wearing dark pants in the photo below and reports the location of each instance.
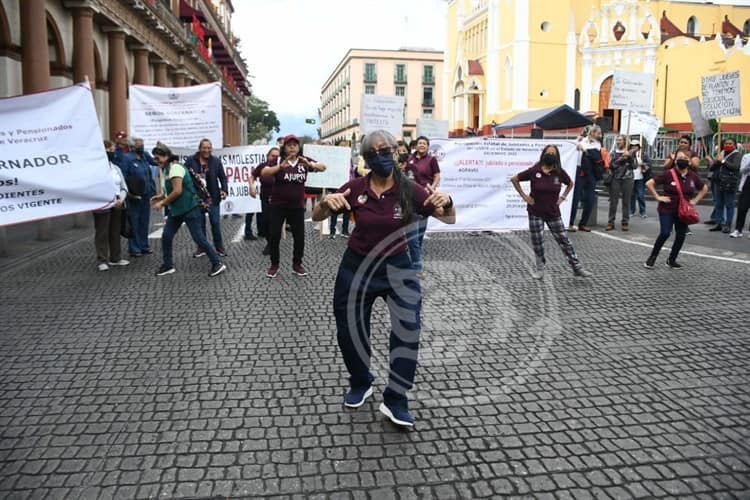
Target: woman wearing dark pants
(266, 185)
(743, 204)
(621, 188)
(377, 264)
(586, 175)
(107, 222)
(669, 203)
(287, 202)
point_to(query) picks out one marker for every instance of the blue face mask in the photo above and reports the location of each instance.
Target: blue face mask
(381, 163)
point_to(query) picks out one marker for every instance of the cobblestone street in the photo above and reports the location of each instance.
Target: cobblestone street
(120, 384)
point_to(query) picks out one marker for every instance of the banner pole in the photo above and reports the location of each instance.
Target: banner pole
(627, 133)
(325, 193)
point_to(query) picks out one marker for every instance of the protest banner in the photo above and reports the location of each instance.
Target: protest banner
(238, 164)
(721, 95)
(337, 161)
(178, 116)
(631, 90)
(53, 160)
(701, 126)
(379, 112)
(432, 129)
(476, 173)
(644, 124)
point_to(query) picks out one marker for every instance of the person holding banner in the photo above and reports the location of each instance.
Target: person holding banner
(107, 222)
(384, 203)
(543, 205)
(725, 169)
(179, 198)
(287, 201)
(621, 188)
(669, 202)
(423, 169)
(210, 168)
(587, 173)
(266, 186)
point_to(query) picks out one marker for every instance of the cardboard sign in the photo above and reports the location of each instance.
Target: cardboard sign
(631, 90)
(432, 129)
(701, 126)
(337, 161)
(382, 113)
(721, 95)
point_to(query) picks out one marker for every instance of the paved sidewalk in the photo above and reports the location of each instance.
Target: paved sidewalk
(634, 383)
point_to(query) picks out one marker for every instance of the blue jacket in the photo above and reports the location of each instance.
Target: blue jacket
(138, 174)
(216, 179)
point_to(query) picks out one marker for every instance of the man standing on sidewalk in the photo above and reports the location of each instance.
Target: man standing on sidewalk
(136, 168)
(210, 168)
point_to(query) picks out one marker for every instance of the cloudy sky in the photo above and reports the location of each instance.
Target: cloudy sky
(292, 46)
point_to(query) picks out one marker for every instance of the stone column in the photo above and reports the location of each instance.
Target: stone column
(160, 74)
(35, 74)
(179, 79)
(118, 82)
(140, 75)
(225, 127)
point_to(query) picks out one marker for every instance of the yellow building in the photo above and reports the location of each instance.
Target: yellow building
(504, 57)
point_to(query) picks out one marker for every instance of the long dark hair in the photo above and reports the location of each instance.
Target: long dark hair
(557, 163)
(404, 186)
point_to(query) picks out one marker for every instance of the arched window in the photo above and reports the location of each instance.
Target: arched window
(55, 48)
(746, 27)
(692, 25)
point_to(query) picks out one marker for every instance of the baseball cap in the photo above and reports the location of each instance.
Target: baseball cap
(635, 142)
(291, 137)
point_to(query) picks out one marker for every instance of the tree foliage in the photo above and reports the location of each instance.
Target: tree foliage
(261, 121)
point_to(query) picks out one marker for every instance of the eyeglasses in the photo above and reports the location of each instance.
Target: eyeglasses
(375, 152)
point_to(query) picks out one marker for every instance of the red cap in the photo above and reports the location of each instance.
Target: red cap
(291, 137)
(120, 133)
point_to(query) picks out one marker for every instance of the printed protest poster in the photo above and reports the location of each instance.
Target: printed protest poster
(631, 90)
(53, 160)
(432, 129)
(178, 116)
(721, 95)
(238, 165)
(338, 165)
(379, 112)
(701, 126)
(476, 173)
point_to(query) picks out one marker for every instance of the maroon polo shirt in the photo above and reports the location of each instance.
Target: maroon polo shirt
(422, 170)
(266, 183)
(545, 189)
(379, 218)
(289, 186)
(690, 182)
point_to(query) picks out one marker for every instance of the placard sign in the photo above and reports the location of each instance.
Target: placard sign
(721, 95)
(644, 124)
(631, 90)
(380, 112)
(700, 124)
(338, 165)
(432, 129)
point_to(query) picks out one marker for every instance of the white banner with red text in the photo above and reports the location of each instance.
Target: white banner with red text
(476, 173)
(52, 159)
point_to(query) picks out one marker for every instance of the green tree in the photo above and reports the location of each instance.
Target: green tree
(261, 121)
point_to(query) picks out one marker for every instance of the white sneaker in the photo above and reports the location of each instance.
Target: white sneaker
(121, 262)
(103, 267)
(735, 234)
(537, 274)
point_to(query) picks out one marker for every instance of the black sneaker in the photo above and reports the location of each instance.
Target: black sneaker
(250, 237)
(221, 252)
(217, 269)
(673, 265)
(345, 234)
(165, 270)
(266, 250)
(716, 228)
(650, 263)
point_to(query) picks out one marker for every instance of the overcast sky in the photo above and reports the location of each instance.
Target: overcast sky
(292, 46)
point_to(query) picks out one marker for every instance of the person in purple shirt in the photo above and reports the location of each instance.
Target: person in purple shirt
(543, 204)
(266, 185)
(669, 203)
(287, 201)
(385, 204)
(422, 168)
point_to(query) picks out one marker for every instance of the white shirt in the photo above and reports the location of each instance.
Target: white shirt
(637, 174)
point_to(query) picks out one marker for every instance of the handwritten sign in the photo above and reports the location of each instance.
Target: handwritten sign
(432, 129)
(338, 164)
(721, 95)
(380, 112)
(700, 124)
(631, 90)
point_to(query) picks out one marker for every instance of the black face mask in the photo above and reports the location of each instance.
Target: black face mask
(111, 155)
(402, 157)
(549, 159)
(682, 163)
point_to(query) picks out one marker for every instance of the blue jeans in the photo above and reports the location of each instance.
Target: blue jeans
(583, 193)
(414, 238)
(716, 215)
(214, 217)
(393, 279)
(639, 196)
(666, 222)
(724, 204)
(192, 220)
(140, 215)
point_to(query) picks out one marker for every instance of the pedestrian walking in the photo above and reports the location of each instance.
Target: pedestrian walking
(422, 168)
(384, 204)
(675, 182)
(546, 178)
(641, 174)
(725, 169)
(179, 196)
(107, 222)
(621, 188)
(210, 168)
(287, 202)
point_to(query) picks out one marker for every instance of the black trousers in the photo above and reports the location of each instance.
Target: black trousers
(743, 205)
(295, 217)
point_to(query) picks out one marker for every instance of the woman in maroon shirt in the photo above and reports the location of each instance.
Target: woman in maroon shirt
(422, 168)
(377, 264)
(287, 201)
(546, 178)
(669, 204)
